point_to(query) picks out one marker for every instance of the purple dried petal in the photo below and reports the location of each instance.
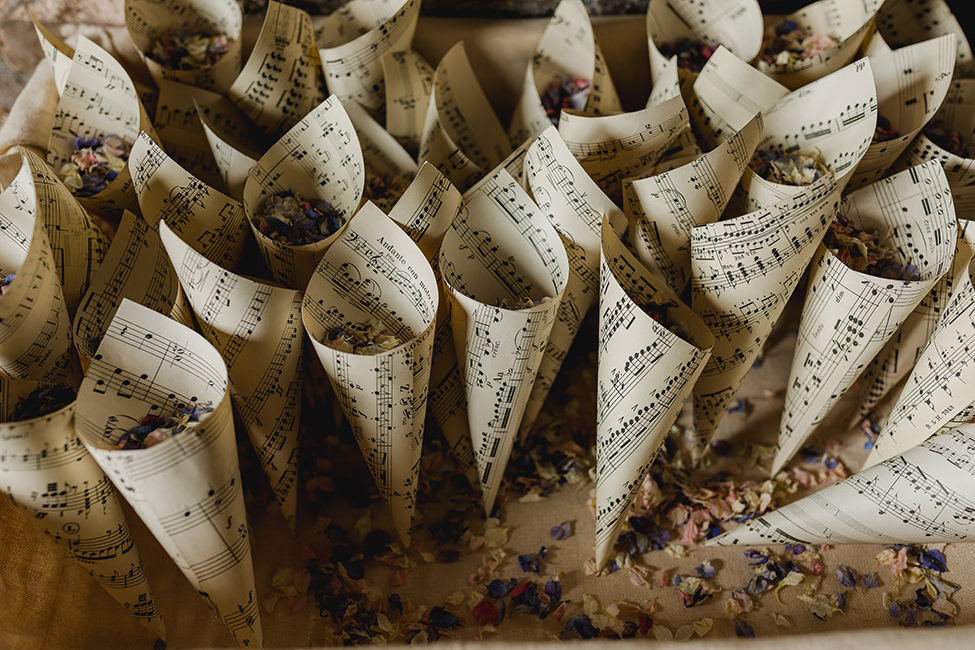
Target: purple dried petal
(846, 576)
(561, 531)
(933, 560)
(744, 630)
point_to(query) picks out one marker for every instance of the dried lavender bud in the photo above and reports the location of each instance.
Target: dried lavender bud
(155, 429)
(950, 141)
(94, 163)
(181, 50)
(788, 168)
(291, 220)
(564, 93)
(867, 252)
(385, 189)
(885, 130)
(41, 401)
(368, 337)
(7, 280)
(691, 55)
(788, 43)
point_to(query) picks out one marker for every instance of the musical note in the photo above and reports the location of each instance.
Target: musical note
(409, 81)
(905, 22)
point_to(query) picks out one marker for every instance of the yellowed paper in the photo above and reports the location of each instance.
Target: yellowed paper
(234, 143)
(900, 22)
(409, 82)
(182, 133)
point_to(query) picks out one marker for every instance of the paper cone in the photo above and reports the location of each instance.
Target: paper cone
(408, 79)
(426, 210)
(684, 147)
(669, 205)
(834, 118)
(568, 50)
(744, 272)
(213, 222)
(375, 272)
(182, 133)
(136, 268)
(902, 351)
(900, 22)
(353, 40)
(728, 94)
(35, 326)
(47, 471)
(256, 328)
(613, 147)
(234, 142)
(911, 84)
(99, 99)
(462, 136)
(148, 20)
(646, 372)
(58, 53)
(849, 316)
(922, 496)
(847, 22)
(282, 79)
(575, 205)
(319, 158)
(501, 249)
(186, 489)
(389, 167)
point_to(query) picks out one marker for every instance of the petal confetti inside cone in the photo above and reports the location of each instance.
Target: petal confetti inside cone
(831, 120)
(375, 278)
(212, 221)
(318, 160)
(256, 328)
(744, 272)
(815, 41)
(903, 350)
(505, 270)
(911, 84)
(35, 326)
(938, 388)
(409, 79)
(849, 315)
(462, 136)
(922, 496)
(46, 470)
(352, 41)
(575, 205)
(566, 71)
(282, 79)
(195, 42)
(652, 348)
(904, 22)
(187, 488)
(667, 206)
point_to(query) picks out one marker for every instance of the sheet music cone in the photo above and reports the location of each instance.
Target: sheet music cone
(505, 270)
(744, 272)
(374, 284)
(46, 470)
(848, 315)
(922, 496)
(652, 348)
(256, 328)
(186, 489)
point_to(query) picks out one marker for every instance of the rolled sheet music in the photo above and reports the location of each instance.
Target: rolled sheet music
(728, 93)
(318, 159)
(409, 81)
(505, 270)
(922, 496)
(849, 315)
(389, 167)
(354, 38)
(35, 326)
(186, 489)
(181, 131)
(939, 387)
(46, 470)
(833, 118)
(58, 53)
(613, 147)
(375, 278)
(575, 205)
(902, 351)
(567, 71)
(847, 23)
(235, 144)
(256, 327)
(652, 348)
(462, 136)
(664, 208)
(282, 80)
(684, 147)
(899, 22)
(744, 272)
(98, 100)
(152, 23)
(213, 224)
(911, 84)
